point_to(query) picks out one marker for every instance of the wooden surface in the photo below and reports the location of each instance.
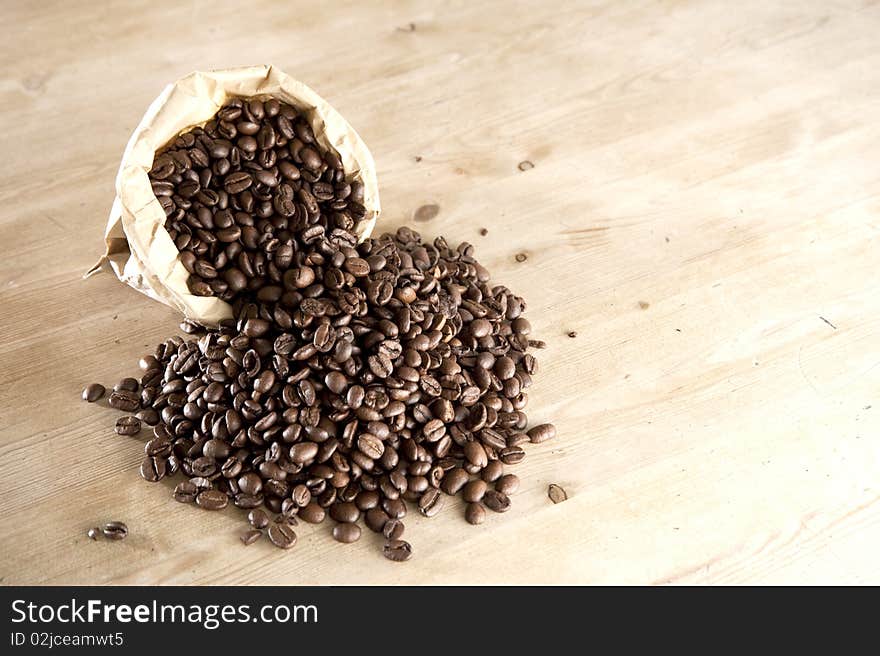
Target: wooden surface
(704, 211)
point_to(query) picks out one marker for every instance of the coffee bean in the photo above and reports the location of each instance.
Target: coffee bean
(128, 426)
(185, 492)
(556, 493)
(454, 480)
(346, 533)
(397, 550)
(497, 501)
(125, 400)
(93, 392)
(393, 529)
(507, 484)
(474, 513)
(94, 533)
(431, 502)
(258, 519)
(474, 490)
(492, 471)
(542, 433)
(371, 446)
(282, 535)
(127, 385)
(212, 500)
(251, 536)
(153, 469)
(512, 455)
(345, 512)
(375, 519)
(148, 416)
(311, 513)
(394, 508)
(115, 530)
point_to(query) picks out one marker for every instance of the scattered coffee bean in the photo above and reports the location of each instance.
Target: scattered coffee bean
(474, 513)
(94, 533)
(346, 533)
(393, 529)
(128, 426)
(185, 492)
(115, 530)
(282, 536)
(507, 484)
(258, 519)
(397, 550)
(556, 493)
(93, 392)
(542, 433)
(497, 501)
(521, 257)
(251, 536)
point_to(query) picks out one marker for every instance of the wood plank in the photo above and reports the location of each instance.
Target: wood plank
(702, 212)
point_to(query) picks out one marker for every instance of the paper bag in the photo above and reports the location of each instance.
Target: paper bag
(139, 250)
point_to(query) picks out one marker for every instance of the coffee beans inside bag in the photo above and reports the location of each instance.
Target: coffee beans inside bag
(150, 247)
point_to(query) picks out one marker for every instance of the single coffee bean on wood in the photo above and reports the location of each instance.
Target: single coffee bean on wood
(542, 433)
(556, 493)
(497, 501)
(397, 550)
(507, 484)
(93, 392)
(250, 536)
(94, 533)
(115, 530)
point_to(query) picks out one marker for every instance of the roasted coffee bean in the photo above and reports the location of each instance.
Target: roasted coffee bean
(128, 426)
(93, 392)
(474, 513)
(148, 416)
(431, 502)
(556, 493)
(397, 550)
(394, 508)
(542, 433)
(492, 471)
(454, 480)
(251, 536)
(346, 513)
(115, 530)
(375, 519)
(185, 492)
(127, 385)
(497, 501)
(511, 455)
(508, 484)
(94, 533)
(282, 535)
(473, 492)
(212, 500)
(258, 519)
(153, 469)
(346, 533)
(125, 400)
(311, 513)
(393, 529)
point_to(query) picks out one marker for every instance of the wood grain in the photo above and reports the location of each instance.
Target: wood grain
(702, 211)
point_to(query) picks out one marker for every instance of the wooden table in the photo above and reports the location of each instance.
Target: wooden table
(703, 212)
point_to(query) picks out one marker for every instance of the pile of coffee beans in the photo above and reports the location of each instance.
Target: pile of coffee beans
(354, 378)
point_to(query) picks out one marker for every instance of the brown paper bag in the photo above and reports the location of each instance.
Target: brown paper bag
(139, 249)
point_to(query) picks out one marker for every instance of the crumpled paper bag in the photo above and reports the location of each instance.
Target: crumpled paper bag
(139, 250)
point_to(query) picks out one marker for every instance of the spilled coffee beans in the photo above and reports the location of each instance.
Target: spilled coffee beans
(354, 378)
